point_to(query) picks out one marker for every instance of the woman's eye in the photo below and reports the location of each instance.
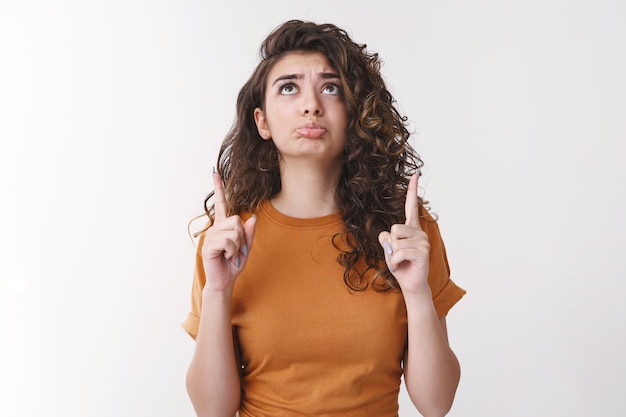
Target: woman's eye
(331, 89)
(288, 89)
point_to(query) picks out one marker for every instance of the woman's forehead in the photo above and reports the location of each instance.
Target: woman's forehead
(299, 61)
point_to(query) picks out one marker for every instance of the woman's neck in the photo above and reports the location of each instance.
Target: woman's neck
(307, 191)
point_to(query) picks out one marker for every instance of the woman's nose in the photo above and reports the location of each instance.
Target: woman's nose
(315, 112)
(312, 105)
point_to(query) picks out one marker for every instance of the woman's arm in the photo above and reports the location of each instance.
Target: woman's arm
(431, 369)
(213, 376)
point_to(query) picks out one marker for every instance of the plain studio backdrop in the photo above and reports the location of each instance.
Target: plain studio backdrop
(111, 114)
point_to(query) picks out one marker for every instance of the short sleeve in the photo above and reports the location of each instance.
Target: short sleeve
(445, 292)
(192, 321)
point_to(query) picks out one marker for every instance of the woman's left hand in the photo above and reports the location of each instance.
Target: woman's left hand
(406, 247)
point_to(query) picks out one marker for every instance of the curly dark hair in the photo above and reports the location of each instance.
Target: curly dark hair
(377, 162)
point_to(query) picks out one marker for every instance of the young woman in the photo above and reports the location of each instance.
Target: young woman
(321, 278)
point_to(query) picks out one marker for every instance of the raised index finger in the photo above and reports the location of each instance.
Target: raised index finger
(220, 199)
(411, 204)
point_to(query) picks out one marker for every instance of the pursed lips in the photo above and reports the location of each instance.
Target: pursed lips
(310, 130)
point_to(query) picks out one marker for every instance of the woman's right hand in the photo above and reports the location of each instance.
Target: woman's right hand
(227, 244)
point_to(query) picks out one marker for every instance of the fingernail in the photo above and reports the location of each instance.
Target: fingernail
(244, 249)
(237, 261)
(387, 247)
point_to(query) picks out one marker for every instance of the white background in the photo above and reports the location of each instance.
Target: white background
(111, 113)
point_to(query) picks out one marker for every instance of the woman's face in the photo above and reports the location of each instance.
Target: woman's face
(304, 112)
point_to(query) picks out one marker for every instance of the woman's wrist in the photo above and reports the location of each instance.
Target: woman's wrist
(216, 298)
(420, 300)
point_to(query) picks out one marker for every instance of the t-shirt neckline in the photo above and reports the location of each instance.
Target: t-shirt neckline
(278, 217)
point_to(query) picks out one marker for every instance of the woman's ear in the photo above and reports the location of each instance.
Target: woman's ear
(261, 124)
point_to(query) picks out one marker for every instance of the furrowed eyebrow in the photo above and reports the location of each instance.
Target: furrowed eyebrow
(288, 77)
(323, 75)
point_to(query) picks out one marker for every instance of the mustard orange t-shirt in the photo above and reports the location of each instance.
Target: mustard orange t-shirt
(308, 344)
